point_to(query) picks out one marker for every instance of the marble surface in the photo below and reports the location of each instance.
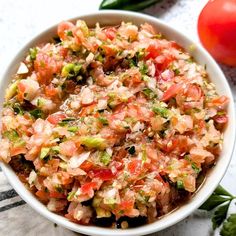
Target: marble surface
(19, 22)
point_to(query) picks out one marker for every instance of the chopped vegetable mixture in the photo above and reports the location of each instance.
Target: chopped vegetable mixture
(110, 124)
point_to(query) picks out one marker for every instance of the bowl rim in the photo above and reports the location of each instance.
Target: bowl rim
(141, 230)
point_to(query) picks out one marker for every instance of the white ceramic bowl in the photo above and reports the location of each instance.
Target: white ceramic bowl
(215, 175)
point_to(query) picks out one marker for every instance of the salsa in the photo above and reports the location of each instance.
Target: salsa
(107, 125)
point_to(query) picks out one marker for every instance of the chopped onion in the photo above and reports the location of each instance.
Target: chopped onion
(23, 69)
(77, 160)
(32, 177)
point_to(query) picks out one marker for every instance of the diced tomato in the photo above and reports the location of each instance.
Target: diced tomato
(21, 91)
(42, 195)
(56, 118)
(63, 51)
(17, 150)
(55, 194)
(139, 112)
(153, 51)
(126, 205)
(194, 92)
(63, 28)
(87, 110)
(69, 86)
(221, 119)
(103, 174)
(110, 32)
(86, 166)
(51, 91)
(171, 92)
(118, 165)
(219, 101)
(120, 154)
(68, 148)
(135, 166)
(86, 188)
(64, 177)
(46, 66)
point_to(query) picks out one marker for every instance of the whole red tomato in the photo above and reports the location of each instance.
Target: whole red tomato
(217, 30)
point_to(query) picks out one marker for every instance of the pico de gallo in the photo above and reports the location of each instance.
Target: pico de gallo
(109, 124)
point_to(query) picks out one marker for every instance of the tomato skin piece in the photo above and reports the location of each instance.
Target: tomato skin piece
(221, 119)
(110, 32)
(171, 92)
(217, 30)
(153, 51)
(86, 166)
(63, 27)
(87, 187)
(103, 174)
(135, 166)
(51, 91)
(219, 101)
(56, 118)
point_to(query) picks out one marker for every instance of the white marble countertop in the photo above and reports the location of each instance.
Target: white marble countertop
(20, 20)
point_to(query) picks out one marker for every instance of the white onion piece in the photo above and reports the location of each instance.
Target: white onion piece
(23, 69)
(77, 160)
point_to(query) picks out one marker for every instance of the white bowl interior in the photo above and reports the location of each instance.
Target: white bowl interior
(216, 174)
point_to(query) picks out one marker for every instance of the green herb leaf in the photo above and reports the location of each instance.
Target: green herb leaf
(220, 215)
(180, 184)
(195, 168)
(36, 113)
(229, 226)
(18, 109)
(131, 150)
(66, 121)
(221, 191)
(213, 201)
(69, 33)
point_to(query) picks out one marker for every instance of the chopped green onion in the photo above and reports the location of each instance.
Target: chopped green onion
(103, 120)
(162, 111)
(69, 33)
(105, 158)
(33, 53)
(44, 152)
(66, 121)
(18, 109)
(71, 195)
(11, 90)
(73, 129)
(149, 93)
(93, 142)
(56, 149)
(143, 68)
(36, 113)
(71, 70)
(12, 135)
(195, 168)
